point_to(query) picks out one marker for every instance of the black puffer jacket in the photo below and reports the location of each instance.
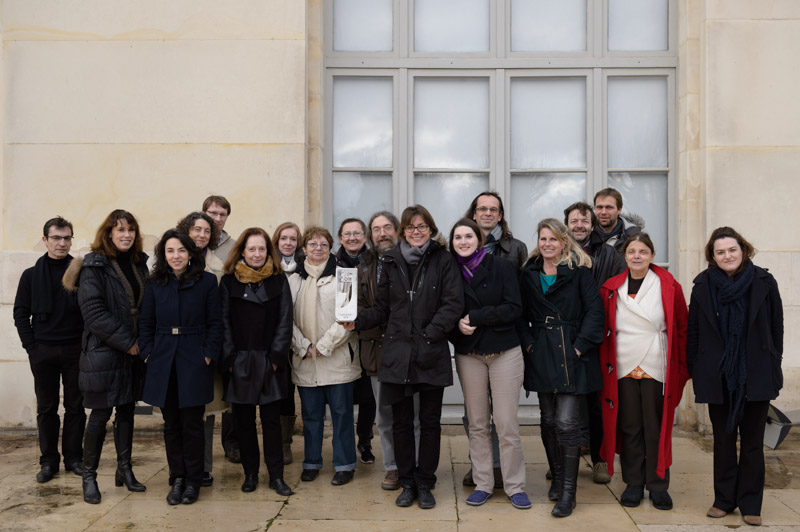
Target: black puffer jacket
(109, 376)
(569, 316)
(419, 312)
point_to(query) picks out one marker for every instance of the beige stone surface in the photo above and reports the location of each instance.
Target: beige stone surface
(791, 341)
(19, 401)
(748, 9)
(83, 20)
(305, 525)
(751, 98)
(793, 297)
(155, 92)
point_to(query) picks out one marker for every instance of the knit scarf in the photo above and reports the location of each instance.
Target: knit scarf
(732, 300)
(245, 274)
(134, 301)
(305, 308)
(492, 239)
(471, 263)
(413, 255)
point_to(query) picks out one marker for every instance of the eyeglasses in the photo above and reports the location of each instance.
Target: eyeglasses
(314, 245)
(57, 238)
(482, 210)
(385, 229)
(217, 214)
(354, 234)
(411, 228)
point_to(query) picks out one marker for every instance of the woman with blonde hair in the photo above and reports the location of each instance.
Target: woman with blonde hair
(562, 324)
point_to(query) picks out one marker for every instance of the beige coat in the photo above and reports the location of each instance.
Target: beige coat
(336, 365)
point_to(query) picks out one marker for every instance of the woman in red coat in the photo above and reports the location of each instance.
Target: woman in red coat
(643, 362)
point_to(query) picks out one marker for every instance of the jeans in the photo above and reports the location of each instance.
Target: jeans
(312, 406)
(560, 411)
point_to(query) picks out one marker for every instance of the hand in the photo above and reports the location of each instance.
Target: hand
(310, 352)
(134, 350)
(348, 325)
(274, 367)
(465, 327)
(577, 352)
(208, 361)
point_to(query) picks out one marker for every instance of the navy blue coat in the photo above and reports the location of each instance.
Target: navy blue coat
(705, 346)
(192, 310)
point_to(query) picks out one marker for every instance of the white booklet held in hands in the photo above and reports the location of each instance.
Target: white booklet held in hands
(346, 299)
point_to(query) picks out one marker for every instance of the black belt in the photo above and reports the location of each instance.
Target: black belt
(179, 330)
(551, 321)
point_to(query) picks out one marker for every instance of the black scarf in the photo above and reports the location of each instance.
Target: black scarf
(42, 288)
(732, 298)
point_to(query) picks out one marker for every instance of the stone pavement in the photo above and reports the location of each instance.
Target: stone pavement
(362, 506)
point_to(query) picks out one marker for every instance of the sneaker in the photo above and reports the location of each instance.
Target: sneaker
(600, 473)
(661, 500)
(478, 497)
(632, 496)
(366, 454)
(520, 500)
(391, 481)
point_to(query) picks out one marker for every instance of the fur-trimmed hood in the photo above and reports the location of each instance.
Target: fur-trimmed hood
(73, 274)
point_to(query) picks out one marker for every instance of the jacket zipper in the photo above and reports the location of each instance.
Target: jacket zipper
(563, 349)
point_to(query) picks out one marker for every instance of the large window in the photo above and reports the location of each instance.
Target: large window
(544, 101)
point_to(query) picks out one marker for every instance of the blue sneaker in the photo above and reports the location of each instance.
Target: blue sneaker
(478, 497)
(519, 500)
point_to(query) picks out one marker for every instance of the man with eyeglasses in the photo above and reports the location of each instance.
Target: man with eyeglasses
(354, 253)
(218, 209)
(487, 211)
(50, 326)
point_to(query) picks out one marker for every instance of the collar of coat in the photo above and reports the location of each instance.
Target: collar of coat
(615, 282)
(364, 258)
(91, 260)
(330, 268)
(563, 272)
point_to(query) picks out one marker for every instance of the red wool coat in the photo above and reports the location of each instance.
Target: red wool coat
(676, 315)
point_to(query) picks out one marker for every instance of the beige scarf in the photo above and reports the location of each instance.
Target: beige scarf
(305, 308)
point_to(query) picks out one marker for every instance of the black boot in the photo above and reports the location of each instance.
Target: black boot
(123, 439)
(280, 487)
(553, 452)
(566, 503)
(287, 428)
(92, 448)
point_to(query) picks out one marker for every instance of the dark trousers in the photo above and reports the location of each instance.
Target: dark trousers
(288, 406)
(230, 440)
(245, 419)
(417, 467)
(362, 394)
(641, 408)
(98, 418)
(739, 483)
(56, 364)
(560, 411)
(591, 418)
(184, 438)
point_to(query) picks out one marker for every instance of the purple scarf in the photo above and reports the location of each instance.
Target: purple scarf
(471, 263)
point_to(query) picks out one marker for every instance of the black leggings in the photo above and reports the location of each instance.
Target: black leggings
(99, 417)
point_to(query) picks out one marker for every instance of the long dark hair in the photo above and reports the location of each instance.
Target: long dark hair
(238, 250)
(162, 273)
(102, 244)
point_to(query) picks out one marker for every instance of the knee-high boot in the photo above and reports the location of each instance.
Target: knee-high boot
(92, 448)
(287, 428)
(123, 439)
(570, 460)
(553, 452)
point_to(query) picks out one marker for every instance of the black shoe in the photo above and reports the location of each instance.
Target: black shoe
(425, 499)
(406, 497)
(366, 454)
(123, 440)
(632, 496)
(661, 500)
(76, 467)
(341, 478)
(250, 482)
(468, 480)
(176, 493)
(234, 456)
(280, 487)
(208, 480)
(46, 474)
(309, 474)
(190, 495)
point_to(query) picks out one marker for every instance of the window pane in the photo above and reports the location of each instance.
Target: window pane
(447, 196)
(451, 25)
(645, 195)
(362, 122)
(451, 123)
(638, 24)
(538, 196)
(548, 25)
(362, 25)
(637, 122)
(548, 123)
(360, 195)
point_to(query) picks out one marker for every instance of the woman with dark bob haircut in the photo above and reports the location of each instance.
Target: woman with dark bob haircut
(111, 283)
(643, 358)
(257, 319)
(180, 335)
(734, 352)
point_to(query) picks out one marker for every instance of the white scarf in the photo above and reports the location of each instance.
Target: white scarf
(642, 329)
(305, 308)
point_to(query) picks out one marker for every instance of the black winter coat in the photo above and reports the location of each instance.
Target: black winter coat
(569, 316)
(419, 313)
(180, 326)
(705, 346)
(494, 305)
(257, 323)
(109, 376)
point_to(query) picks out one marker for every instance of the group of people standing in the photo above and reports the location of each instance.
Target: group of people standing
(587, 320)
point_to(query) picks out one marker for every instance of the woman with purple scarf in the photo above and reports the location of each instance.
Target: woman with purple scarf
(489, 362)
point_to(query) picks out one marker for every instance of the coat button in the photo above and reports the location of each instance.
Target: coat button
(245, 295)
